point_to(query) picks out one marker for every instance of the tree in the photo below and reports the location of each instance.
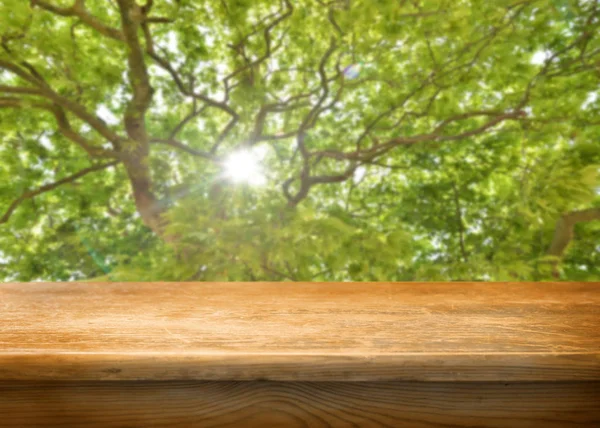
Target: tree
(299, 140)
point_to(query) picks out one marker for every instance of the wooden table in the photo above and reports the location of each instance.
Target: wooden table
(301, 354)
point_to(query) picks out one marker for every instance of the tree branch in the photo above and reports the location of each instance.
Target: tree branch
(564, 232)
(459, 222)
(165, 65)
(64, 125)
(131, 18)
(179, 145)
(268, 48)
(228, 128)
(48, 187)
(190, 116)
(45, 91)
(380, 149)
(78, 10)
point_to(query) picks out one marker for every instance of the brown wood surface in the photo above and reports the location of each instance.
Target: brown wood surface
(300, 404)
(300, 331)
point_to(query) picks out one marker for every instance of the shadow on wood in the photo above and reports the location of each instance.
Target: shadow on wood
(300, 404)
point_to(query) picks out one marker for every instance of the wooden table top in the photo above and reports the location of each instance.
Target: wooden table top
(300, 331)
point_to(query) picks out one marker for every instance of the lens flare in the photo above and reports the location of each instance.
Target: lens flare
(352, 71)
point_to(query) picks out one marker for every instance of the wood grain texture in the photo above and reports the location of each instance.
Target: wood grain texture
(300, 331)
(300, 404)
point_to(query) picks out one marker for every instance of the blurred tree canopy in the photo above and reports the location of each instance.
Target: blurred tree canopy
(380, 140)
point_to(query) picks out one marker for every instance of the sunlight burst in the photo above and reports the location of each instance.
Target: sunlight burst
(245, 166)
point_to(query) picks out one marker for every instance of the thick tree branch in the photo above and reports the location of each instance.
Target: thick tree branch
(48, 187)
(137, 152)
(564, 232)
(78, 10)
(64, 126)
(306, 183)
(21, 90)
(158, 20)
(131, 18)
(45, 91)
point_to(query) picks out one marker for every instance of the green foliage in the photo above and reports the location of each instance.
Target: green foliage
(470, 131)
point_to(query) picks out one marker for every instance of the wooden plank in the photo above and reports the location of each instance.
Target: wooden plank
(300, 331)
(300, 404)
